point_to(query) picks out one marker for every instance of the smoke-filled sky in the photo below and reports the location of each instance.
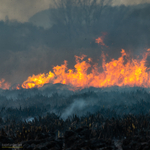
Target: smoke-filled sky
(22, 10)
(31, 45)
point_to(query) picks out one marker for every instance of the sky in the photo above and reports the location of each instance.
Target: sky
(22, 10)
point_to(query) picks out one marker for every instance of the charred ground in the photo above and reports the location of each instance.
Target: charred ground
(87, 119)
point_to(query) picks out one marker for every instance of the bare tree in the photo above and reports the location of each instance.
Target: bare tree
(76, 15)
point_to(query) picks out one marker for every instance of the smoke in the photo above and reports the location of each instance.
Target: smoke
(26, 49)
(29, 119)
(76, 107)
(113, 101)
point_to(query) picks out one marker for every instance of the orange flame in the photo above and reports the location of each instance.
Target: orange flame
(132, 72)
(148, 49)
(100, 40)
(4, 85)
(37, 80)
(121, 72)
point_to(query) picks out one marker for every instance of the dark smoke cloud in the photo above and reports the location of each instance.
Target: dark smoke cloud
(26, 49)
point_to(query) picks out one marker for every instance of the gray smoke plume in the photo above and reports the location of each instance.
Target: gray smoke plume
(27, 49)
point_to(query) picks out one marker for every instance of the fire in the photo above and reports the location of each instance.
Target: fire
(4, 85)
(124, 71)
(100, 40)
(37, 80)
(131, 73)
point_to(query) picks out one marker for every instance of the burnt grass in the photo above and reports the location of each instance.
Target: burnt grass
(41, 127)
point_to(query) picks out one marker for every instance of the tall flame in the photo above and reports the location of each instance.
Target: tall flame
(121, 72)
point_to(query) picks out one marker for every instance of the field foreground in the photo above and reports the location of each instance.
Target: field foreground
(91, 119)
